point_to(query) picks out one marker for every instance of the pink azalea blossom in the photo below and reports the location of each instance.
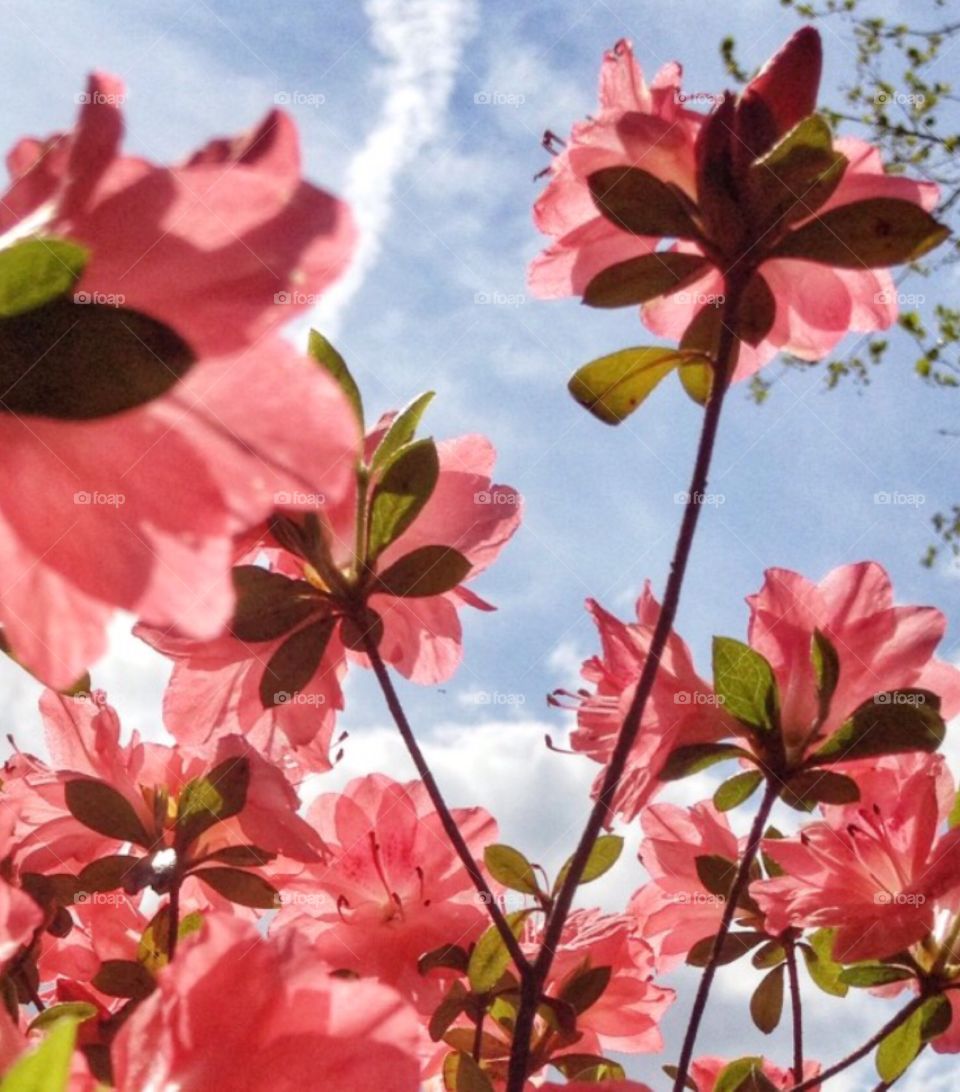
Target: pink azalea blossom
(215, 686)
(83, 737)
(878, 871)
(648, 128)
(20, 917)
(140, 507)
(705, 1071)
(393, 887)
(674, 909)
(241, 1012)
(682, 708)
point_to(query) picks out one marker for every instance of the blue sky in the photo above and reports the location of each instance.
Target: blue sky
(428, 116)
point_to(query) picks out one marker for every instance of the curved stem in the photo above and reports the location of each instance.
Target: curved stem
(851, 1059)
(450, 827)
(738, 887)
(796, 1010)
(604, 804)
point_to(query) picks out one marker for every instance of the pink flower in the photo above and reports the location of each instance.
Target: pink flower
(674, 910)
(705, 1071)
(140, 507)
(877, 871)
(241, 1012)
(83, 736)
(20, 917)
(682, 708)
(217, 687)
(736, 222)
(881, 647)
(393, 888)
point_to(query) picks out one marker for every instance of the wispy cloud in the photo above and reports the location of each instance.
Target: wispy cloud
(420, 43)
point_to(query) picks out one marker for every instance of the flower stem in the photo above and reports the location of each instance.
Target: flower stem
(447, 820)
(738, 887)
(891, 1025)
(604, 805)
(796, 1009)
(173, 920)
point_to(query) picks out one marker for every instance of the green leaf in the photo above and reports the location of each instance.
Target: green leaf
(745, 682)
(154, 945)
(77, 361)
(208, 800)
(612, 386)
(101, 808)
(798, 174)
(766, 1004)
(243, 888)
(46, 1068)
(826, 669)
(756, 311)
(866, 975)
(268, 605)
(903, 1044)
(462, 1074)
(77, 1010)
(453, 1004)
(108, 873)
(509, 867)
(241, 856)
(953, 819)
(691, 759)
(406, 484)
(893, 722)
(402, 430)
(588, 1067)
(604, 855)
(295, 662)
(737, 789)
(672, 1071)
(870, 234)
(735, 946)
(336, 367)
(355, 631)
(124, 978)
(447, 955)
(428, 570)
(716, 873)
(811, 787)
(744, 1075)
(36, 271)
(823, 969)
(638, 202)
(769, 955)
(697, 380)
(585, 987)
(490, 957)
(637, 280)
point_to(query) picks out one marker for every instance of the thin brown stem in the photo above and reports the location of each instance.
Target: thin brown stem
(173, 920)
(447, 820)
(796, 1009)
(851, 1059)
(604, 805)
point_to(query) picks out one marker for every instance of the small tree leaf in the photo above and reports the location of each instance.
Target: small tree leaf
(101, 808)
(826, 668)
(447, 955)
(866, 975)
(612, 386)
(744, 1075)
(426, 571)
(769, 955)
(402, 430)
(691, 759)
(893, 722)
(637, 280)
(821, 966)
(404, 487)
(241, 856)
(899, 1049)
(604, 855)
(78, 1010)
(108, 873)
(737, 789)
(509, 867)
(462, 1074)
(490, 957)
(637, 201)
(243, 888)
(811, 787)
(268, 605)
(35, 271)
(124, 978)
(745, 682)
(735, 945)
(295, 662)
(766, 1004)
(716, 873)
(336, 367)
(47, 1067)
(211, 799)
(585, 987)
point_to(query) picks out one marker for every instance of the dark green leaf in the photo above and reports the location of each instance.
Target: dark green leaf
(756, 312)
(716, 873)
(612, 386)
(769, 955)
(452, 1005)
(209, 800)
(242, 856)
(35, 271)
(462, 1074)
(428, 570)
(826, 669)
(745, 682)
(108, 873)
(640, 203)
(640, 279)
(603, 856)
(509, 867)
(685, 761)
(295, 662)
(356, 631)
(585, 988)
(406, 484)
(268, 605)
(870, 234)
(735, 945)
(333, 363)
(124, 978)
(811, 787)
(77, 361)
(447, 955)
(243, 888)
(893, 722)
(766, 1004)
(490, 957)
(736, 789)
(101, 808)
(402, 430)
